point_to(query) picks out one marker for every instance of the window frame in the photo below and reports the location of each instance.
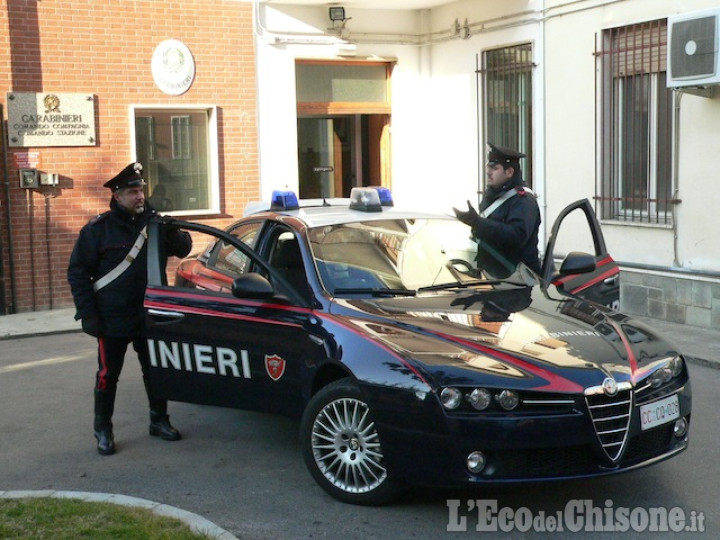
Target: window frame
(631, 59)
(213, 160)
(510, 125)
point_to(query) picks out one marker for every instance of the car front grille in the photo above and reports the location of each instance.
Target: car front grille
(542, 463)
(649, 443)
(611, 419)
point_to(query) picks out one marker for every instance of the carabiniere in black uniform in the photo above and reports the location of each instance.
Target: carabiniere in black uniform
(108, 295)
(508, 221)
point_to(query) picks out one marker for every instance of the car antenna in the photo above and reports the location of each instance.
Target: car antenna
(324, 187)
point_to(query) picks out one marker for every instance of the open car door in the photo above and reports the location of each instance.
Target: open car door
(225, 334)
(601, 285)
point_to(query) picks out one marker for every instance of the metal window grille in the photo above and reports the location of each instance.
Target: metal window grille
(635, 125)
(180, 126)
(507, 85)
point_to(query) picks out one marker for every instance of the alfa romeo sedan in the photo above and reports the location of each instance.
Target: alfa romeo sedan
(405, 362)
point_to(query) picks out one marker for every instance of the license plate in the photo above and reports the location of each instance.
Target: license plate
(659, 412)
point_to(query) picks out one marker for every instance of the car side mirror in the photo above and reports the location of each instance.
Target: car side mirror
(577, 262)
(252, 285)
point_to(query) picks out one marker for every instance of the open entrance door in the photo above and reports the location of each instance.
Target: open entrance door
(337, 153)
(343, 111)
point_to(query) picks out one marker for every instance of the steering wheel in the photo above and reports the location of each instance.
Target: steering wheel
(466, 266)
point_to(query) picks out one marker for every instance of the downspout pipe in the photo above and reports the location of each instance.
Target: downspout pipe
(11, 251)
(676, 170)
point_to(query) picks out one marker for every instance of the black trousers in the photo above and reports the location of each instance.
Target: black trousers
(111, 357)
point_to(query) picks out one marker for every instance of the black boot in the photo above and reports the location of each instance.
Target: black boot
(159, 420)
(160, 427)
(104, 406)
(105, 442)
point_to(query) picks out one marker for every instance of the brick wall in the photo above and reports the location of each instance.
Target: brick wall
(105, 48)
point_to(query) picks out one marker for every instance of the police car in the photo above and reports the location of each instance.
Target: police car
(404, 362)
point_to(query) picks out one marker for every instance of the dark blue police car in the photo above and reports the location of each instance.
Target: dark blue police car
(405, 362)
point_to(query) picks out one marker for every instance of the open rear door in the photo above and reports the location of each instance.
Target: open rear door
(601, 285)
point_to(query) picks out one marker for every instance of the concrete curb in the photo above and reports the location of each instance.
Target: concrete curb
(30, 334)
(196, 523)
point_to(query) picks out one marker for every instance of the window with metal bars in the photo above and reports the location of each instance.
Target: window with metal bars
(635, 169)
(507, 84)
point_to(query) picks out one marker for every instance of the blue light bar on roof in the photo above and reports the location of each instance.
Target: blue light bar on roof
(284, 200)
(385, 195)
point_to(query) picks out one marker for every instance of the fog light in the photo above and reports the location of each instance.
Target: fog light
(680, 428)
(476, 462)
(479, 399)
(450, 398)
(508, 399)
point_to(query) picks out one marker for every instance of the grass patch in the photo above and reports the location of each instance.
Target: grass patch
(65, 519)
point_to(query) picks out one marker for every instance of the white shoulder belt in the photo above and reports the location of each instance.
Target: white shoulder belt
(124, 264)
(498, 202)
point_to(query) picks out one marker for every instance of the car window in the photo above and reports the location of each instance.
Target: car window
(285, 256)
(400, 254)
(229, 259)
(216, 267)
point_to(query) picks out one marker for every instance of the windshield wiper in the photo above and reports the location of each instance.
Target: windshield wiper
(460, 284)
(374, 291)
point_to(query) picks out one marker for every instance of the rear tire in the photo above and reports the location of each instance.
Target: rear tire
(341, 446)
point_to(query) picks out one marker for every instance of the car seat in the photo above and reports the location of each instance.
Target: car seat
(287, 259)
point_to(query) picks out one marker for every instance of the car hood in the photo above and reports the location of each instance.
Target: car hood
(530, 336)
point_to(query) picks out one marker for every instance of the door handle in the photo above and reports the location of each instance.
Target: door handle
(168, 316)
(612, 280)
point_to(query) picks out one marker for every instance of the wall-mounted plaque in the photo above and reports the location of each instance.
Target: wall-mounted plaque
(50, 119)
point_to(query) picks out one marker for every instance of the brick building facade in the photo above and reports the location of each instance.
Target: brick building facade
(105, 50)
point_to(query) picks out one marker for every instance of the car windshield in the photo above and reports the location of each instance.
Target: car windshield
(402, 256)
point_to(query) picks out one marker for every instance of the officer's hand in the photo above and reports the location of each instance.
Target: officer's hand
(466, 301)
(469, 217)
(92, 326)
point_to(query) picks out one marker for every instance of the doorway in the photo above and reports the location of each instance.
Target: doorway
(343, 126)
(338, 153)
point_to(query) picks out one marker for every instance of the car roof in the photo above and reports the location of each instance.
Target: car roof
(336, 211)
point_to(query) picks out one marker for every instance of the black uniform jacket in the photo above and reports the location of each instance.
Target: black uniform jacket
(102, 244)
(512, 229)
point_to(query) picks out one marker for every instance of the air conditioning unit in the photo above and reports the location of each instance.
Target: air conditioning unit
(692, 51)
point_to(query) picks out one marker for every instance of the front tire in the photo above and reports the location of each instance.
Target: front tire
(341, 446)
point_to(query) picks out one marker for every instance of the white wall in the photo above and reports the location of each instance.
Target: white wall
(571, 147)
(434, 120)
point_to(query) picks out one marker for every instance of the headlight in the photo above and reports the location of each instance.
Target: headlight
(657, 379)
(508, 399)
(451, 398)
(669, 371)
(676, 366)
(479, 398)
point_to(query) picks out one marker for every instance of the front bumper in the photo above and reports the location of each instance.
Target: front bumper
(429, 447)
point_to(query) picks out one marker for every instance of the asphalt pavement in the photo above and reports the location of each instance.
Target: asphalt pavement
(61, 321)
(700, 345)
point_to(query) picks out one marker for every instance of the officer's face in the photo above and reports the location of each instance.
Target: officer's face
(497, 175)
(131, 199)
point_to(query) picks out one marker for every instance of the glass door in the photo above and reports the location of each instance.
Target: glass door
(324, 156)
(343, 111)
(337, 153)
